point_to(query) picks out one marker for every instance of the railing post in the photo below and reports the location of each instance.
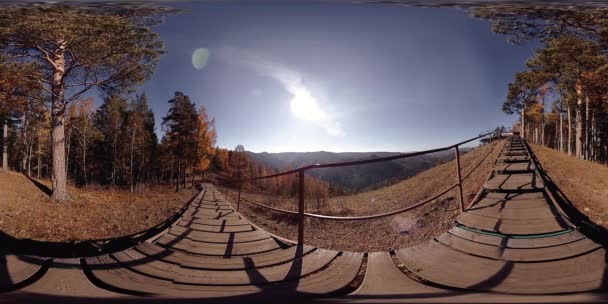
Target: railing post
(238, 201)
(456, 150)
(301, 206)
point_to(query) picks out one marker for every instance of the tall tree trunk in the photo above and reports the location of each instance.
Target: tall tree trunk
(569, 131)
(561, 132)
(131, 165)
(69, 144)
(29, 159)
(192, 168)
(59, 174)
(84, 157)
(523, 123)
(114, 164)
(592, 145)
(177, 180)
(24, 135)
(579, 122)
(39, 158)
(542, 121)
(5, 144)
(587, 145)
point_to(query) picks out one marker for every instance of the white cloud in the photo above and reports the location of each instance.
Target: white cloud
(305, 104)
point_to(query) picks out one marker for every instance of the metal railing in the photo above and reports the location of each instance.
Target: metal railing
(301, 190)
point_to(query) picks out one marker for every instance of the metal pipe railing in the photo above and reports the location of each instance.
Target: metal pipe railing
(301, 173)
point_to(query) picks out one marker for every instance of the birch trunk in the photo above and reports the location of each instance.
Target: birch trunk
(592, 145)
(569, 131)
(579, 123)
(5, 145)
(561, 132)
(59, 174)
(587, 145)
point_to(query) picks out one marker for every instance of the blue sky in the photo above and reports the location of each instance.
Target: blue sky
(336, 77)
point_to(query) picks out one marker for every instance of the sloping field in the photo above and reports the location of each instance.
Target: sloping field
(584, 183)
(387, 233)
(26, 211)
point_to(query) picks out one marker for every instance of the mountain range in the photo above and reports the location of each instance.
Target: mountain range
(354, 178)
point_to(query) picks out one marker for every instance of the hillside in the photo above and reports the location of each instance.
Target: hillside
(353, 178)
(27, 212)
(385, 233)
(584, 183)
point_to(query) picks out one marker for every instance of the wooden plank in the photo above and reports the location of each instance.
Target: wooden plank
(514, 152)
(513, 226)
(336, 276)
(437, 263)
(539, 242)
(382, 277)
(226, 250)
(186, 260)
(511, 203)
(16, 269)
(219, 229)
(66, 278)
(216, 237)
(129, 282)
(515, 182)
(497, 211)
(217, 222)
(513, 159)
(564, 251)
(515, 196)
(514, 167)
(256, 276)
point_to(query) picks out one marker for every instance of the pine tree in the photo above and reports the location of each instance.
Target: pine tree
(80, 48)
(181, 128)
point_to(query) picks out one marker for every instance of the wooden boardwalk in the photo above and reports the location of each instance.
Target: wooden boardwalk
(511, 245)
(513, 240)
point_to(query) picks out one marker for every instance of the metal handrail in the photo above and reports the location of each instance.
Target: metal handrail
(373, 216)
(300, 171)
(365, 161)
(360, 217)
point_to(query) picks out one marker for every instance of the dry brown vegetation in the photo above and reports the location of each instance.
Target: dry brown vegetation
(373, 235)
(584, 183)
(26, 212)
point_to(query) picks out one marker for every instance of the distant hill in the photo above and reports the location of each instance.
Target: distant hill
(354, 178)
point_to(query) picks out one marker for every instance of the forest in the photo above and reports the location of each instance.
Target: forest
(55, 61)
(561, 97)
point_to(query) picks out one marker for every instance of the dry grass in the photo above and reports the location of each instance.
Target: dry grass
(373, 235)
(584, 183)
(26, 212)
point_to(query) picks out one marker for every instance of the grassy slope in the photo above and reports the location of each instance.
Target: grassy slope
(583, 182)
(373, 235)
(27, 212)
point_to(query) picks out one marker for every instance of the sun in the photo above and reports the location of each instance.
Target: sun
(305, 106)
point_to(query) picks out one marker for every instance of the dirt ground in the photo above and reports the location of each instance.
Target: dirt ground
(424, 222)
(26, 211)
(584, 183)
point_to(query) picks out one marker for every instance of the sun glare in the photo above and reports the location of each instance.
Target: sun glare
(304, 106)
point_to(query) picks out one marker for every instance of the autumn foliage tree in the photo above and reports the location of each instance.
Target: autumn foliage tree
(205, 140)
